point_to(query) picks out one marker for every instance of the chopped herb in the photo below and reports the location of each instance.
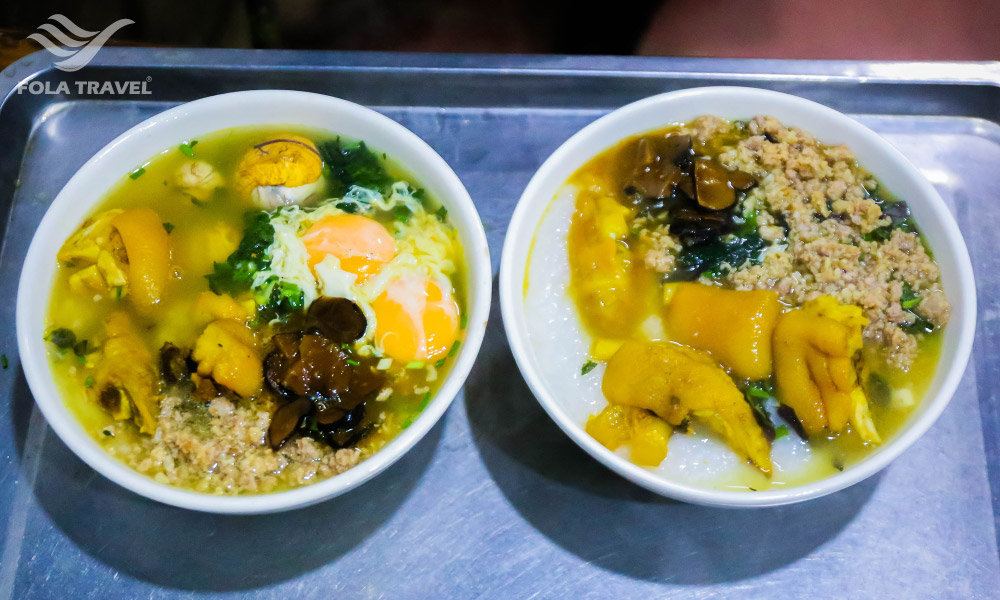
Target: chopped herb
(919, 325)
(63, 338)
(81, 359)
(353, 165)
(909, 299)
(81, 348)
(136, 174)
(464, 322)
(425, 401)
(187, 148)
(714, 258)
(403, 213)
(279, 300)
(118, 292)
(407, 422)
(454, 348)
(759, 393)
(345, 346)
(89, 381)
(348, 206)
(198, 202)
(439, 363)
(781, 432)
(3, 361)
(838, 464)
(169, 227)
(107, 433)
(70, 264)
(899, 216)
(442, 213)
(352, 363)
(236, 274)
(588, 367)
(415, 365)
(419, 194)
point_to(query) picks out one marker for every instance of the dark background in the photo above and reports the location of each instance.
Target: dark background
(848, 29)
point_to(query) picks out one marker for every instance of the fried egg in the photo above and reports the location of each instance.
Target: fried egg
(396, 272)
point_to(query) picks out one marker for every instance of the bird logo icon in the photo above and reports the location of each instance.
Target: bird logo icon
(70, 42)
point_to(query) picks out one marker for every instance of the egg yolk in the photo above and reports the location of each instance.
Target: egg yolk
(416, 319)
(362, 245)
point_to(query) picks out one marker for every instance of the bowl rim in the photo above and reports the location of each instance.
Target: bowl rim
(68, 427)
(511, 280)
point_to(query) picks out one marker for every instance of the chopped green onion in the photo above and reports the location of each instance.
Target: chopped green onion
(136, 174)
(70, 264)
(464, 322)
(780, 432)
(417, 364)
(454, 348)
(169, 227)
(909, 299)
(384, 364)
(407, 422)
(81, 359)
(442, 213)
(3, 361)
(198, 202)
(439, 363)
(588, 367)
(89, 381)
(118, 292)
(345, 346)
(187, 148)
(107, 433)
(425, 401)
(353, 363)
(753, 391)
(403, 213)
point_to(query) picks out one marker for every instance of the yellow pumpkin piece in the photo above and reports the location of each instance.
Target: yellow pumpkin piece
(618, 425)
(88, 280)
(815, 348)
(225, 352)
(610, 427)
(148, 250)
(602, 348)
(87, 242)
(209, 306)
(610, 286)
(288, 160)
(676, 382)
(650, 435)
(126, 381)
(733, 326)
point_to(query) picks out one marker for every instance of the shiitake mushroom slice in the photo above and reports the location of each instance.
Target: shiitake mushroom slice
(285, 420)
(712, 189)
(338, 318)
(658, 168)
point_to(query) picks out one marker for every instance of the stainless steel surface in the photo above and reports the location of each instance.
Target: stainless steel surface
(496, 501)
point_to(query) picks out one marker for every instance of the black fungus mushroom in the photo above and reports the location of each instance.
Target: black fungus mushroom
(310, 367)
(338, 318)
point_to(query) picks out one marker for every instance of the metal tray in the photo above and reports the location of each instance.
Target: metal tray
(496, 501)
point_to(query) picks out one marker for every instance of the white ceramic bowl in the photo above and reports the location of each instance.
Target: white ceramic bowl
(830, 127)
(187, 121)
